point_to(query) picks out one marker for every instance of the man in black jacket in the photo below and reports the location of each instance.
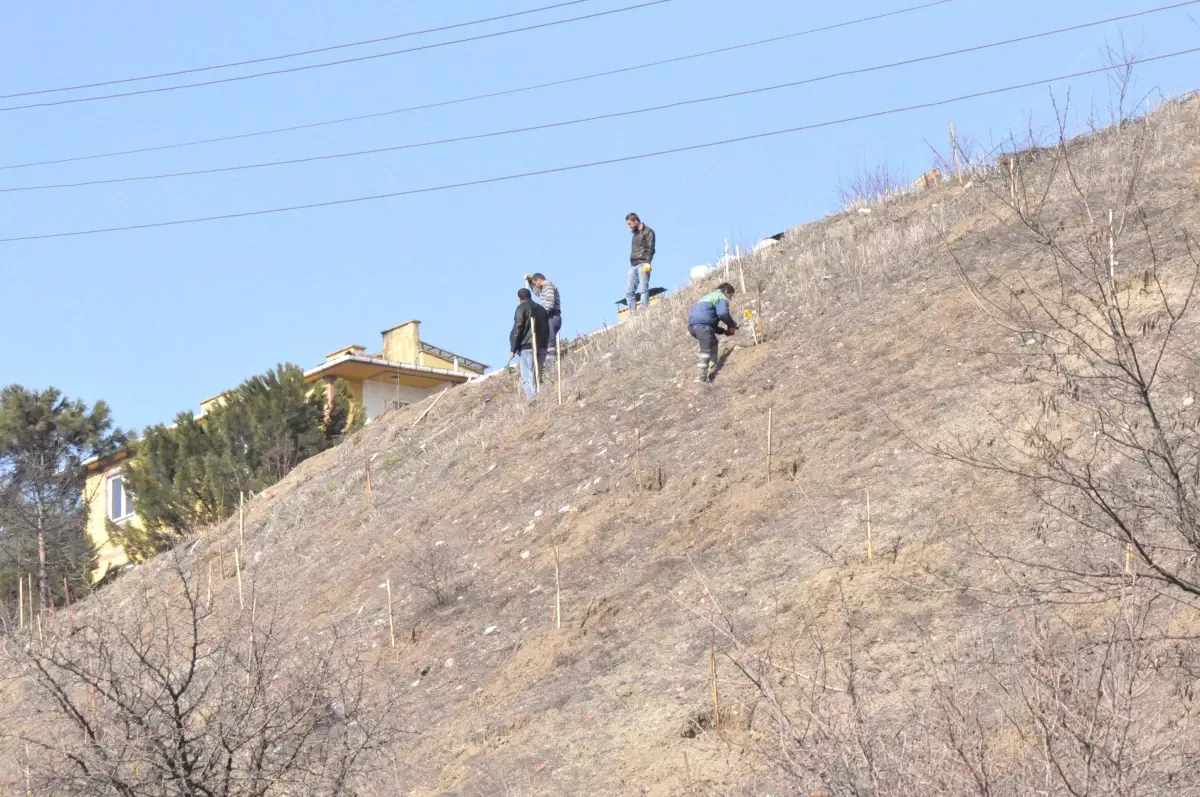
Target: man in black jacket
(640, 257)
(528, 339)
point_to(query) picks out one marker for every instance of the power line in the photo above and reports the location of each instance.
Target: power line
(297, 54)
(593, 164)
(323, 64)
(476, 97)
(597, 117)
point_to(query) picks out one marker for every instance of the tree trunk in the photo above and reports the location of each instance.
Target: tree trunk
(43, 581)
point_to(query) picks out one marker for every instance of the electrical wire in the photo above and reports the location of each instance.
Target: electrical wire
(587, 119)
(596, 163)
(297, 54)
(324, 64)
(502, 93)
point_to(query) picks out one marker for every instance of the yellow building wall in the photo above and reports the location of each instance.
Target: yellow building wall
(110, 556)
(431, 360)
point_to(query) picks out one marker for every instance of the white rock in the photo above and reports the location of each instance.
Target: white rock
(1189, 401)
(449, 663)
(765, 243)
(491, 629)
(562, 510)
(537, 513)
(702, 272)
(524, 554)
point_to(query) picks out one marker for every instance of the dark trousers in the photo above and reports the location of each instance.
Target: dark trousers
(706, 358)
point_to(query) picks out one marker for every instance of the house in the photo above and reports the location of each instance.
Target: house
(106, 500)
(406, 371)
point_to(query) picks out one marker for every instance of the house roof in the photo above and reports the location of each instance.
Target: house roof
(361, 367)
(465, 362)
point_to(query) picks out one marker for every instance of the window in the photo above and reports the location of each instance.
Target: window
(119, 505)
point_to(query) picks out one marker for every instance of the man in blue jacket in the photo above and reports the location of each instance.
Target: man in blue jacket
(704, 324)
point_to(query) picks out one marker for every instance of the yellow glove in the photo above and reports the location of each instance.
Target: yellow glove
(646, 268)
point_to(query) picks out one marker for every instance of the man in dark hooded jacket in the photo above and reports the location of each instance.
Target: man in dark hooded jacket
(528, 340)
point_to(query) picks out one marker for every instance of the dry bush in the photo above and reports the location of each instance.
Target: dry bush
(430, 566)
(176, 699)
(871, 186)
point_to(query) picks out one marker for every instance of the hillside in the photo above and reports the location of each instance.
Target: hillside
(997, 642)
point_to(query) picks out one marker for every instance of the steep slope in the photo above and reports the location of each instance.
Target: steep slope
(648, 499)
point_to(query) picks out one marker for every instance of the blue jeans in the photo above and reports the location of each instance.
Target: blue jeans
(638, 282)
(528, 379)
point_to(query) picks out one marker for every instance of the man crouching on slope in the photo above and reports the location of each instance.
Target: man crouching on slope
(704, 324)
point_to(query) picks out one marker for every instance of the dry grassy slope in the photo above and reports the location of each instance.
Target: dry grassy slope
(871, 338)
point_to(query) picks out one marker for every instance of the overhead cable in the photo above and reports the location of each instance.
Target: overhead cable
(297, 54)
(489, 95)
(339, 62)
(576, 121)
(596, 163)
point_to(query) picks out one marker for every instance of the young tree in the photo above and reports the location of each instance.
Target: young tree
(44, 440)
(192, 473)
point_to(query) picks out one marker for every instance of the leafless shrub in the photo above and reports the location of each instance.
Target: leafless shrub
(430, 567)
(176, 699)
(870, 186)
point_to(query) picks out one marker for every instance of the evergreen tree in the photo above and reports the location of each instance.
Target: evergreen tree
(191, 474)
(44, 441)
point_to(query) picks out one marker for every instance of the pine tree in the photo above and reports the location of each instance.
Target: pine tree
(191, 474)
(44, 441)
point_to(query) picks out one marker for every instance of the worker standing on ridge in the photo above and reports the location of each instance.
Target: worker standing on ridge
(531, 330)
(545, 293)
(640, 258)
(704, 324)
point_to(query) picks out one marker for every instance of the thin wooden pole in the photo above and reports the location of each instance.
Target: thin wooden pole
(20, 603)
(1012, 179)
(438, 398)
(637, 457)
(391, 621)
(558, 366)
(954, 148)
(557, 592)
(537, 372)
(758, 313)
(237, 563)
(716, 698)
(29, 592)
(208, 602)
(367, 472)
(727, 260)
(870, 549)
(770, 441)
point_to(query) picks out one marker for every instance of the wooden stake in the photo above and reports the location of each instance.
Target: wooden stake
(237, 563)
(29, 593)
(770, 434)
(712, 653)
(557, 592)
(20, 603)
(1012, 180)
(208, 602)
(870, 551)
(391, 622)
(758, 312)
(954, 148)
(438, 398)
(727, 260)
(637, 458)
(537, 372)
(367, 472)
(558, 366)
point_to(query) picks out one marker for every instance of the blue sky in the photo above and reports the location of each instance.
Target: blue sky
(153, 321)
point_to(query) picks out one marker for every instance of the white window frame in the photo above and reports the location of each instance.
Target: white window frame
(127, 505)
